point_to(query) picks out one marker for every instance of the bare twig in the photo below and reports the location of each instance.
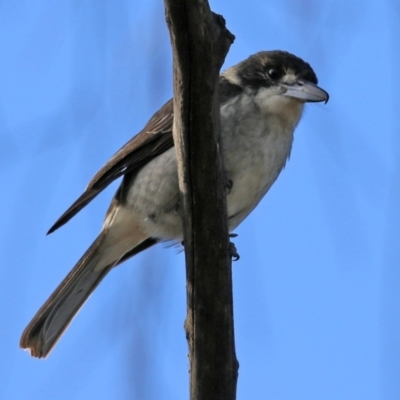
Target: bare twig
(200, 43)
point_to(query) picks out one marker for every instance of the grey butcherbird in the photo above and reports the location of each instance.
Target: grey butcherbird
(262, 99)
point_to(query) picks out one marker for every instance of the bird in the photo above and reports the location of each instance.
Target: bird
(261, 102)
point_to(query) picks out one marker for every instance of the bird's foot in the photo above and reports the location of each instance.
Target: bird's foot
(232, 248)
(229, 186)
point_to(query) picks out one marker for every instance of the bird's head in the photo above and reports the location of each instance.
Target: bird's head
(279, 81)
(279, 72)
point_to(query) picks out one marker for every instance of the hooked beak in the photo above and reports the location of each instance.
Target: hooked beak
(305, 91)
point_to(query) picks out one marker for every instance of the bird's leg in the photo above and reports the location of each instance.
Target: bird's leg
(229, 185)
(232, 248)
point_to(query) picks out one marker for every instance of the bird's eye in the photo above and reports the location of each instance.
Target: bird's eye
(274, 73)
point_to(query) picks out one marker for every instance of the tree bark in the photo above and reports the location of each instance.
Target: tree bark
(200, 43)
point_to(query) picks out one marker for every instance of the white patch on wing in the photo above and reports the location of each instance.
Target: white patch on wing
(123, 233)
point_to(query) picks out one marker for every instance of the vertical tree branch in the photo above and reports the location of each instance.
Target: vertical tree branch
(200, 43)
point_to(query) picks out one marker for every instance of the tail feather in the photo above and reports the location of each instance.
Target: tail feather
(53, 318)
(121, 238)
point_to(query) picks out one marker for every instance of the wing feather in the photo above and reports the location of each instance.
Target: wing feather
(153, 140)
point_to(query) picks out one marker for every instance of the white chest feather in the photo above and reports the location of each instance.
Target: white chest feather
(257, 139)
(257, 144)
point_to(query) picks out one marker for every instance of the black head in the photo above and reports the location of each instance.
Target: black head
(282, 72)
(269, 67)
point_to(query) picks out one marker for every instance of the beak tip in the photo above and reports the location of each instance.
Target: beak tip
(306, 92)
(326, 97)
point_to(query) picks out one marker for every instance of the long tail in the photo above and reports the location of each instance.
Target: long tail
(53, 318)
(57, 312)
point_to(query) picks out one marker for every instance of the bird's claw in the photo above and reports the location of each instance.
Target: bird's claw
(233, 251)
(232, 248)
(229, 185)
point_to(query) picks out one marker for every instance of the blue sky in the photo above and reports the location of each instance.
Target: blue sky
(317, 288)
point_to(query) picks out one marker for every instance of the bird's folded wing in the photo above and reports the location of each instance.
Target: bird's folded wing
(153, 140)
